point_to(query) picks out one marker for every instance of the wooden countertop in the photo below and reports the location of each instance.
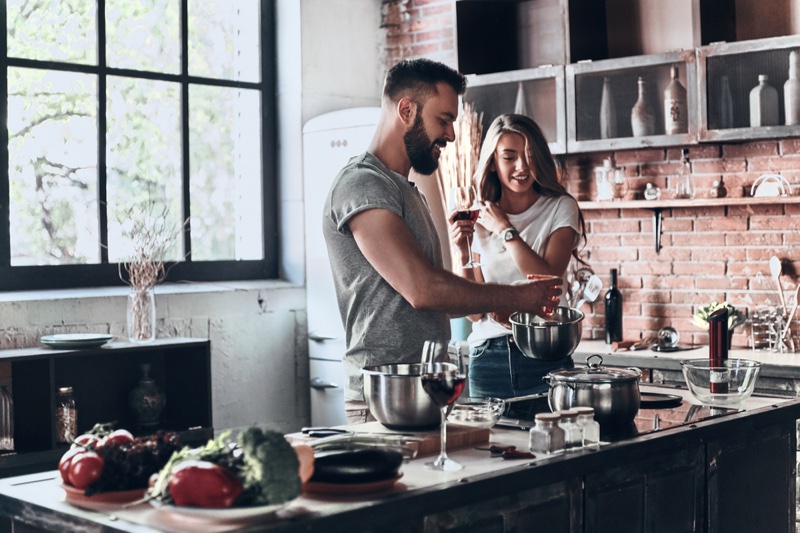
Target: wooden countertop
(38, 499)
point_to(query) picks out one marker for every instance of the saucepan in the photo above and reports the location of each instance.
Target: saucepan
(612, 392)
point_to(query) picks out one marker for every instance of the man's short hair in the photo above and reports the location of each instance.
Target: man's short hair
(419, 77)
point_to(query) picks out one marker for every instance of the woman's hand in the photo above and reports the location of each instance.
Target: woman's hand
(461, 232)
(493, 218)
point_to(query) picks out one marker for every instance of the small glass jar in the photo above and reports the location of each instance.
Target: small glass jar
(651, 192)
(591, 428)
(573, 433)
(6, 420)
(546, 436)
(66, 416)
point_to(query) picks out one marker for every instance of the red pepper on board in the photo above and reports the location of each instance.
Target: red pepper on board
(203, 484)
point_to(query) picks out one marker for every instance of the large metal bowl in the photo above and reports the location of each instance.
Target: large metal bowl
(396, 398)
(549, 339)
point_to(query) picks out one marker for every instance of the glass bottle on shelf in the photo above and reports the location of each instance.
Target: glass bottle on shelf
(608, 112)
(675, 119)
(6, 420)
(684, 188)
(651, 192)
(66, 416)
(613, 311)
(605, 187)
(791, 90)
(725, 104)
(763, 103)
(546, 436)
(643, 118)
(718, 189)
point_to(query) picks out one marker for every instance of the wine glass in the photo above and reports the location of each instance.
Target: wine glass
(444, 376)
(463, 200)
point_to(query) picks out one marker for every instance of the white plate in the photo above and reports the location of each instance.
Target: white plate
(232, 514)
(75, 340)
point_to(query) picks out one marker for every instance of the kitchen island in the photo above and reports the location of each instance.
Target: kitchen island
(732, 472)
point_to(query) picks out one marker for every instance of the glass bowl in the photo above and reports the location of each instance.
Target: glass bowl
(477, 412)
(739, 375)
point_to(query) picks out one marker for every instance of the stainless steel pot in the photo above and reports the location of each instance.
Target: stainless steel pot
(612, 392)
(396, 398)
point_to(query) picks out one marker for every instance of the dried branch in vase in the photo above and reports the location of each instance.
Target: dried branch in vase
(151, 237)
(458, 161)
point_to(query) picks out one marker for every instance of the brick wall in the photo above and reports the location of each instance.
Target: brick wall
(708, 253)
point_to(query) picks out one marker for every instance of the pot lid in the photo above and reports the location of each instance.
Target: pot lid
(594, 372)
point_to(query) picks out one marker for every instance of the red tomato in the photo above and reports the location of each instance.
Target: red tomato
(87, 440)
(117, 437)
(85, 468)
(65, 462)
(204, 484)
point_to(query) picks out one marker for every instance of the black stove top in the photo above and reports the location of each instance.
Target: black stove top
(652, 417)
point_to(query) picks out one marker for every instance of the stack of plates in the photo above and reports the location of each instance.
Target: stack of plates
(75, 341)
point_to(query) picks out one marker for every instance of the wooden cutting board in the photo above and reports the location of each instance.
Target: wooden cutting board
(425, 442)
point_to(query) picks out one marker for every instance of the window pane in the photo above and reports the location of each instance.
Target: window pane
(225, 163)
(143, 35)
(144, 158)
(52, 148)
(53, 30)
(224, 39)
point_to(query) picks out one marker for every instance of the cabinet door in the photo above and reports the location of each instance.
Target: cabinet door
(728, 72)
(555, 507)
(537, 93)
(743, 475)
(603, 96)
(661, 494)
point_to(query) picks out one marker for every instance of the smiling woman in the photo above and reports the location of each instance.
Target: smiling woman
(170, 113)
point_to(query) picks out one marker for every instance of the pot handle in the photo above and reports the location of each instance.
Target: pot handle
(634, 369)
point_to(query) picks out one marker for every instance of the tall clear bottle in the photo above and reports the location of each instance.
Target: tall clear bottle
(613, 301)
(684, 188)
(6, 420)
(608, 112)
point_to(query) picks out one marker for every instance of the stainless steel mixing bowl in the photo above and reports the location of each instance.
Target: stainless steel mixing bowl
(396, 398)
(548, 339)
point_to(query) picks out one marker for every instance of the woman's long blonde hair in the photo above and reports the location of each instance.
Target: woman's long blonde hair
(537, 153)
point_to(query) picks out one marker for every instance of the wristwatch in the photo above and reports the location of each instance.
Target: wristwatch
(508, 234)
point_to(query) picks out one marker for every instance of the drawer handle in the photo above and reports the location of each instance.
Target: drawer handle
(320, 384)
(318, 337)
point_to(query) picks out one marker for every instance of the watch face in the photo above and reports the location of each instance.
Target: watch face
(508, 234)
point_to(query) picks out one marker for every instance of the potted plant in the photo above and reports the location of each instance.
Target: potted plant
(735, 317)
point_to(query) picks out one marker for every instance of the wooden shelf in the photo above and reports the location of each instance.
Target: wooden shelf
(696, 202)
(658, 205)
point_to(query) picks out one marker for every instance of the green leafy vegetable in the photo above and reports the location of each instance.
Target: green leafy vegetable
(735, 317)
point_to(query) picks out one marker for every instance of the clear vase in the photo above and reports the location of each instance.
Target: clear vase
(608, 112)
(142, 315)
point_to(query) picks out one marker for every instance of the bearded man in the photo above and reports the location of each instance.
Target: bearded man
(392, 290)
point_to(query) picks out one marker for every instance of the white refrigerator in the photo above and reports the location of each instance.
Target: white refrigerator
(329, 141)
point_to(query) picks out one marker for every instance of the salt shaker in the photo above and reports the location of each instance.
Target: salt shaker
(591, 428)
(66, 416)
(546, 436)
(573, 433)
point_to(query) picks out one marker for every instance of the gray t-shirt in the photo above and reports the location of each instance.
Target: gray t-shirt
(381, 326)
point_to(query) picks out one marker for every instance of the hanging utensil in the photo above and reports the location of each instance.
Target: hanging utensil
(591, 291)
(790, 317)
(775, 268)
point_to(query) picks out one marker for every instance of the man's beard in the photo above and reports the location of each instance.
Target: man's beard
(420, 148)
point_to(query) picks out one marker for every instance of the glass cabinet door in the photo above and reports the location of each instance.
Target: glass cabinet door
(632, 102)
(745, 94)
(537, 93)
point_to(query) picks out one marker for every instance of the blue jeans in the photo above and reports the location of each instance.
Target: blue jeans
(497, 368)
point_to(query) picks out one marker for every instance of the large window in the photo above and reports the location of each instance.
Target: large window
(121, 110)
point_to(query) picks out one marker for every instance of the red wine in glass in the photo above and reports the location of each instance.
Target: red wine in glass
(472, 215)
(444, 388)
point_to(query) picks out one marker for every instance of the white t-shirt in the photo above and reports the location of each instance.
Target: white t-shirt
(535, 225)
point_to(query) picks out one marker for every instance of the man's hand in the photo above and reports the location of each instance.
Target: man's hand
(542, 293)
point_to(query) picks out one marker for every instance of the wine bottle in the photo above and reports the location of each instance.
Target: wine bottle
(613, 301)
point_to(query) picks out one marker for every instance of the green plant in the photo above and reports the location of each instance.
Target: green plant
(735, 317)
